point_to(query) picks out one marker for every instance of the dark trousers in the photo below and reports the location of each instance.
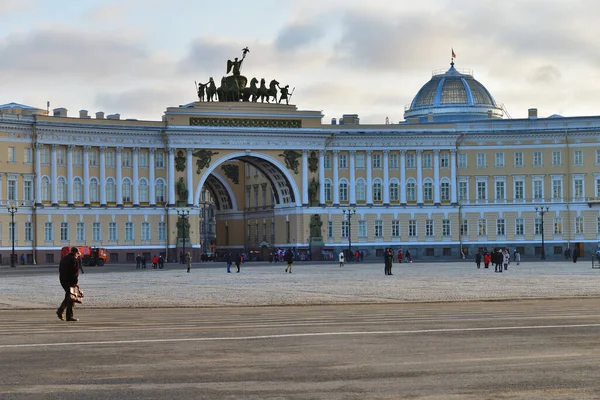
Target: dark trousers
(388, 268)
(498, 267)
(67, 302)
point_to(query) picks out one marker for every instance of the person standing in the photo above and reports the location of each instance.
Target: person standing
(188, 259)
(506, 258)
(356, 256)
(497, 259)
(341, 258)
(138, 262)
(386, 262)
(408, 256)
(400, 256)
(143, 262)
(161, 262)
(238, 261)
(22, 259)
(487, 259)
(478, 259)
(517, 257)
(391, 262)
(228, 261)
(69, 276)
(575, 254)
(362, 256)
(155, 262)
(289, 258)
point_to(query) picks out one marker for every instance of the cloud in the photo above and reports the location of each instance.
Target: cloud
(546, 74)
(300, 35)
(16, 6)
(147, 102)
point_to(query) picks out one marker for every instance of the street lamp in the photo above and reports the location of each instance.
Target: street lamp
(12, 209)
(348, 213)
(542, 211)
(183, 214)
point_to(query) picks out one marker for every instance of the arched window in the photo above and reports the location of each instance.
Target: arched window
(445, 190)
(46, 188)
(94, 190)
(377, 191)
(343, 190)
(143, 191)
(360, 190)
(126, 190)
(160, 191)
(427, 190)
(411, 190)
(61, 187)
(394, 190)
(327, 190)
(110, 190)
(77, 190)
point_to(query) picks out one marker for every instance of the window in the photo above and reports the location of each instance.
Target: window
(412, 227)
(143, 188)
(578, 188)
(126, 159)
(77, 157)
(464, 227)
(445, 160)
(500, 227)
(143, 159)
(61, 156)
(46, 188)
(500, 190)
(159, 159)
(395, 228)
(519, 227)
(519, 159)
(394, 191)
(377, 161)
(327, 190)
(327, 161)
(96, 232)
(558, 230)
(428, 191)
(162, 231)
(93, 158)
(537, 158)
(445, 191)
(410, 160)
(94, 190)
(247, 170)
(45, 155)
(499, 160)
(360, 161)
(538, 189)
(598, 156)
(360, 190)
(61, 186)
(110, 191)
(411, 190)
(27, 155)
(598, 187)
(28, 232)
(427, 160)
(482, 227)
(330, 229)
(393, 160)
(579, 225)
(377, 191)
(463, 191)
(429, 227)
(481, 190)
(519, 190)
(578, 157)
(378, 228)
(345, 229)
(12, 155)
(343, 191)
(597, 225)
(462, 160)
(48, 232)
(112, 231)
(110, 159)
(160, 191)
(556, 158)
(129, 231)
(537, 226)
(557, 189)
(362, 228)
(480, 160)
(126, 191)
(12, 189)
(343, 161)
(77, 190)
(446, 227)
(80, 232)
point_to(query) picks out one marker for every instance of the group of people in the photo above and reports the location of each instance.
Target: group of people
(158, 262)
(499, 257)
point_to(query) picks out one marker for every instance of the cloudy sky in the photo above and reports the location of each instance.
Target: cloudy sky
(137, 57)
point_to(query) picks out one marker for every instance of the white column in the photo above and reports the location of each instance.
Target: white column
(70, 174)
(86, 176)
(386, 177)
(102, 175)
(38, 174)
(171, 180)
(369, 177)
(135, 176)
(436, 176)
(419, 176)
(190, 177)
(454, 183)
(336, 178)
(322, 177)
(402, 176)
(352, 177)
(119, 177)
(305, 177)
(151, 187)
(54, 176)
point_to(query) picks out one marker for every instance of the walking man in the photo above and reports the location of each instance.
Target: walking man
(341, 258)
(228, 261)
(478, 259)
(289, 257)
(69, 276)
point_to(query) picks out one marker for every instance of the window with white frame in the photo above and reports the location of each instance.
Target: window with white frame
(46, 188)
(146, 231)
(27, 155)
(499, 160)
(464, 227)
(411, 190)
(537, 226)
(558, 228)
(344, 190)
(410, 160)
(412, 228)
(12, 155)
(362, 228)
(519, 159)
(519, 188)
(377, 190)
(480, 160)
(579, 225)
(429, 231)
(143, 159)
(500, 192)
(598, 225)
(45, 155)
(327, 161)
(394, 191)
(143, 188)
(482, 227)
(12, 189)
(96, 232)
(462, 160)
(129, 231)
(159, 190)
(500, 227)
(93, 158)
(444, 160)
(598, 156)
(12, 231)
(126, 159)
(557, 188)
(396, 228)
(110, 190)
(538, 189)
(427, 160)
(446, 227)
(48, 232)
(77, 190)
(393, 160)
(359, 161)
(109, 157)
(597, 186)
(345, 230)
(80, 232)
(94, 190)
(427, 191)
(112, 231)
(377, 161)
(445, 190)
(481, 190)
(327, 190)
(64, 231)
(159, 159)
(343, 160)
(61, 156)
(463, 190)
(28, 231)
(378, 228)
(126, 191)
(61, 186)
(537, 159)
(162, 231)
(578, 188)
(556, 158)
(578, 157)
(519, 226)
(247, 170)
(360, 190)
(330, 229)
(77, 157)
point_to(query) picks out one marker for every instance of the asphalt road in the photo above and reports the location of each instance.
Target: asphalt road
(481, 350)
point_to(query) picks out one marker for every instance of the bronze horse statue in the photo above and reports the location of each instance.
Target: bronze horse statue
(263, 92)
(250, 93)
(211, 90)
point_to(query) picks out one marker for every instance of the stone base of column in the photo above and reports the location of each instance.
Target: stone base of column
(403, 204)
(437, 204)
(136, 206)
(87, 205)
(54, 204)
(71, 205)
(104, 205)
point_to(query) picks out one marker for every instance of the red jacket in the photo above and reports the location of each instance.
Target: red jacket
(154, 260)
(487, 259)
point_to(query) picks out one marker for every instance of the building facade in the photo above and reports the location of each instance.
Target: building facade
(455, 176)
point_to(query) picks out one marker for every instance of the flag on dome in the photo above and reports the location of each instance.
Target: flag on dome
(453, 55)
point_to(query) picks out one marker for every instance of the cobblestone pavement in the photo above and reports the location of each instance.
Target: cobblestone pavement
(268, 284)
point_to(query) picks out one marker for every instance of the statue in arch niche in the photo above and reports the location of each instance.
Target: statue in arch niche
(182, 192)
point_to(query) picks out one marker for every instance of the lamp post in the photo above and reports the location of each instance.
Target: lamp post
(183, 214)
(12, 209)
(348, 213)
(542, 211)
